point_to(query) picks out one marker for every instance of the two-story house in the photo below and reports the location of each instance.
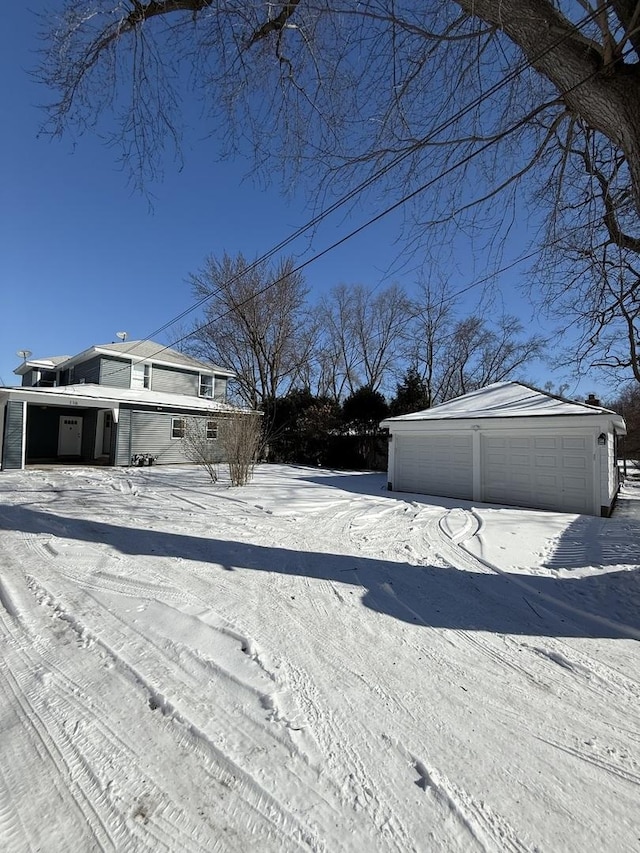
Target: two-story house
(109, 405)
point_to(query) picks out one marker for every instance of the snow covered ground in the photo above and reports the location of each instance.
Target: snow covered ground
(312, 663)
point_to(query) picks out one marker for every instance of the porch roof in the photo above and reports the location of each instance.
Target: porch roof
(105, 397)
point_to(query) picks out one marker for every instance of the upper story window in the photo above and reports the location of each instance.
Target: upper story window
(141, 375)
(206, 386)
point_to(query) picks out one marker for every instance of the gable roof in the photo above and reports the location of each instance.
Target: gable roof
(505, 400)
(135, 350)
(152, 351)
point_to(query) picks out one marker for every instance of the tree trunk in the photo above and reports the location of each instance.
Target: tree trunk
(607, 97)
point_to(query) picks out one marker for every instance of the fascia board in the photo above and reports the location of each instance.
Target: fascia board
(599, 422)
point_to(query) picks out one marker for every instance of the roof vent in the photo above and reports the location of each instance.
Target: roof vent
(592, 400)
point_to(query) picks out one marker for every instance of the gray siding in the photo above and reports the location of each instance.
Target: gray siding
(12, 445)
(175, 381)
(115, 372)
(27, 378)
(87, 371)
(150, 432)
(123, 438)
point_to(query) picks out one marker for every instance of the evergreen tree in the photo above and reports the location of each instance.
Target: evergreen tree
(412, 395)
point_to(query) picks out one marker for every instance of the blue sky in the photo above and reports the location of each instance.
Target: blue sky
(83, 256)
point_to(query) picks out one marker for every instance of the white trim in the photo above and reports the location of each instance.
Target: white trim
(105, 397)
(24, 435)
(476, 452)
(181, 418)
(599, 421)
(391, 465)
(97, 444)
(141, 379)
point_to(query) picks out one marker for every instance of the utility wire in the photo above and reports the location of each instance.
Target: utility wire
(371, 179)
(359, 188)
(451, 297)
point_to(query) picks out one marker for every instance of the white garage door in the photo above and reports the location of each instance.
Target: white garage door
(436, 464)
(550, 471)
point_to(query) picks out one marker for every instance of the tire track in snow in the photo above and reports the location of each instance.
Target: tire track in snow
(448, 532)
(545, 598)
(597, 759)
(96, 576)
(13, 829)
(606, 683)
(181, 711)
(79, 760)
(456, 527)
(63, 703)
(565, 664)
(487, 829)
(60, 763)
(343, 761)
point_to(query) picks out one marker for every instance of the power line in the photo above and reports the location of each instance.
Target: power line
(360, 228)
(450, 297)
(371, 179)
(359, 188)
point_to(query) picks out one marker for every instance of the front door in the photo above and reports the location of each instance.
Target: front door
(70, 436)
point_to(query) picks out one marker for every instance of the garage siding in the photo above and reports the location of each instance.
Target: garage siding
(551, 472)
(438, 464)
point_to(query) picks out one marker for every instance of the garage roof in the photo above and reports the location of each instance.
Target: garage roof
(506, 400)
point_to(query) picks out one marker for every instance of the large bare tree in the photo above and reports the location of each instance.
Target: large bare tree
(359, 337)
(590, 274)
(255, 322)
(465, 98)
(453, 354)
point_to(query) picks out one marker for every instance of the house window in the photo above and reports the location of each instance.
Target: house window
(206, 386)
(141, 375)
(212, 430)
(177, 427)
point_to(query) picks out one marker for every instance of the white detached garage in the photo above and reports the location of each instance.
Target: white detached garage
(511, 444)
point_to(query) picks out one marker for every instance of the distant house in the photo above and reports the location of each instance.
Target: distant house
(510, 444)
(111, 404)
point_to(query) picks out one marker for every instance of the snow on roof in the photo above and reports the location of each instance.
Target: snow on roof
(504, 400)
(48, 363)
(107, 394)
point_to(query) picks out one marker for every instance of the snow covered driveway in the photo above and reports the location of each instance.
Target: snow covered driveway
(311, 663)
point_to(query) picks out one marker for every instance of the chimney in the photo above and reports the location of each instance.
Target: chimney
(592, 400)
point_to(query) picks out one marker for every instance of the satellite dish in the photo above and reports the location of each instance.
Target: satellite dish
(122, 335)
(23, 354)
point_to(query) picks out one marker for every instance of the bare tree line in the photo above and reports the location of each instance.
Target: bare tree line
(259, 322)
(509, 99)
